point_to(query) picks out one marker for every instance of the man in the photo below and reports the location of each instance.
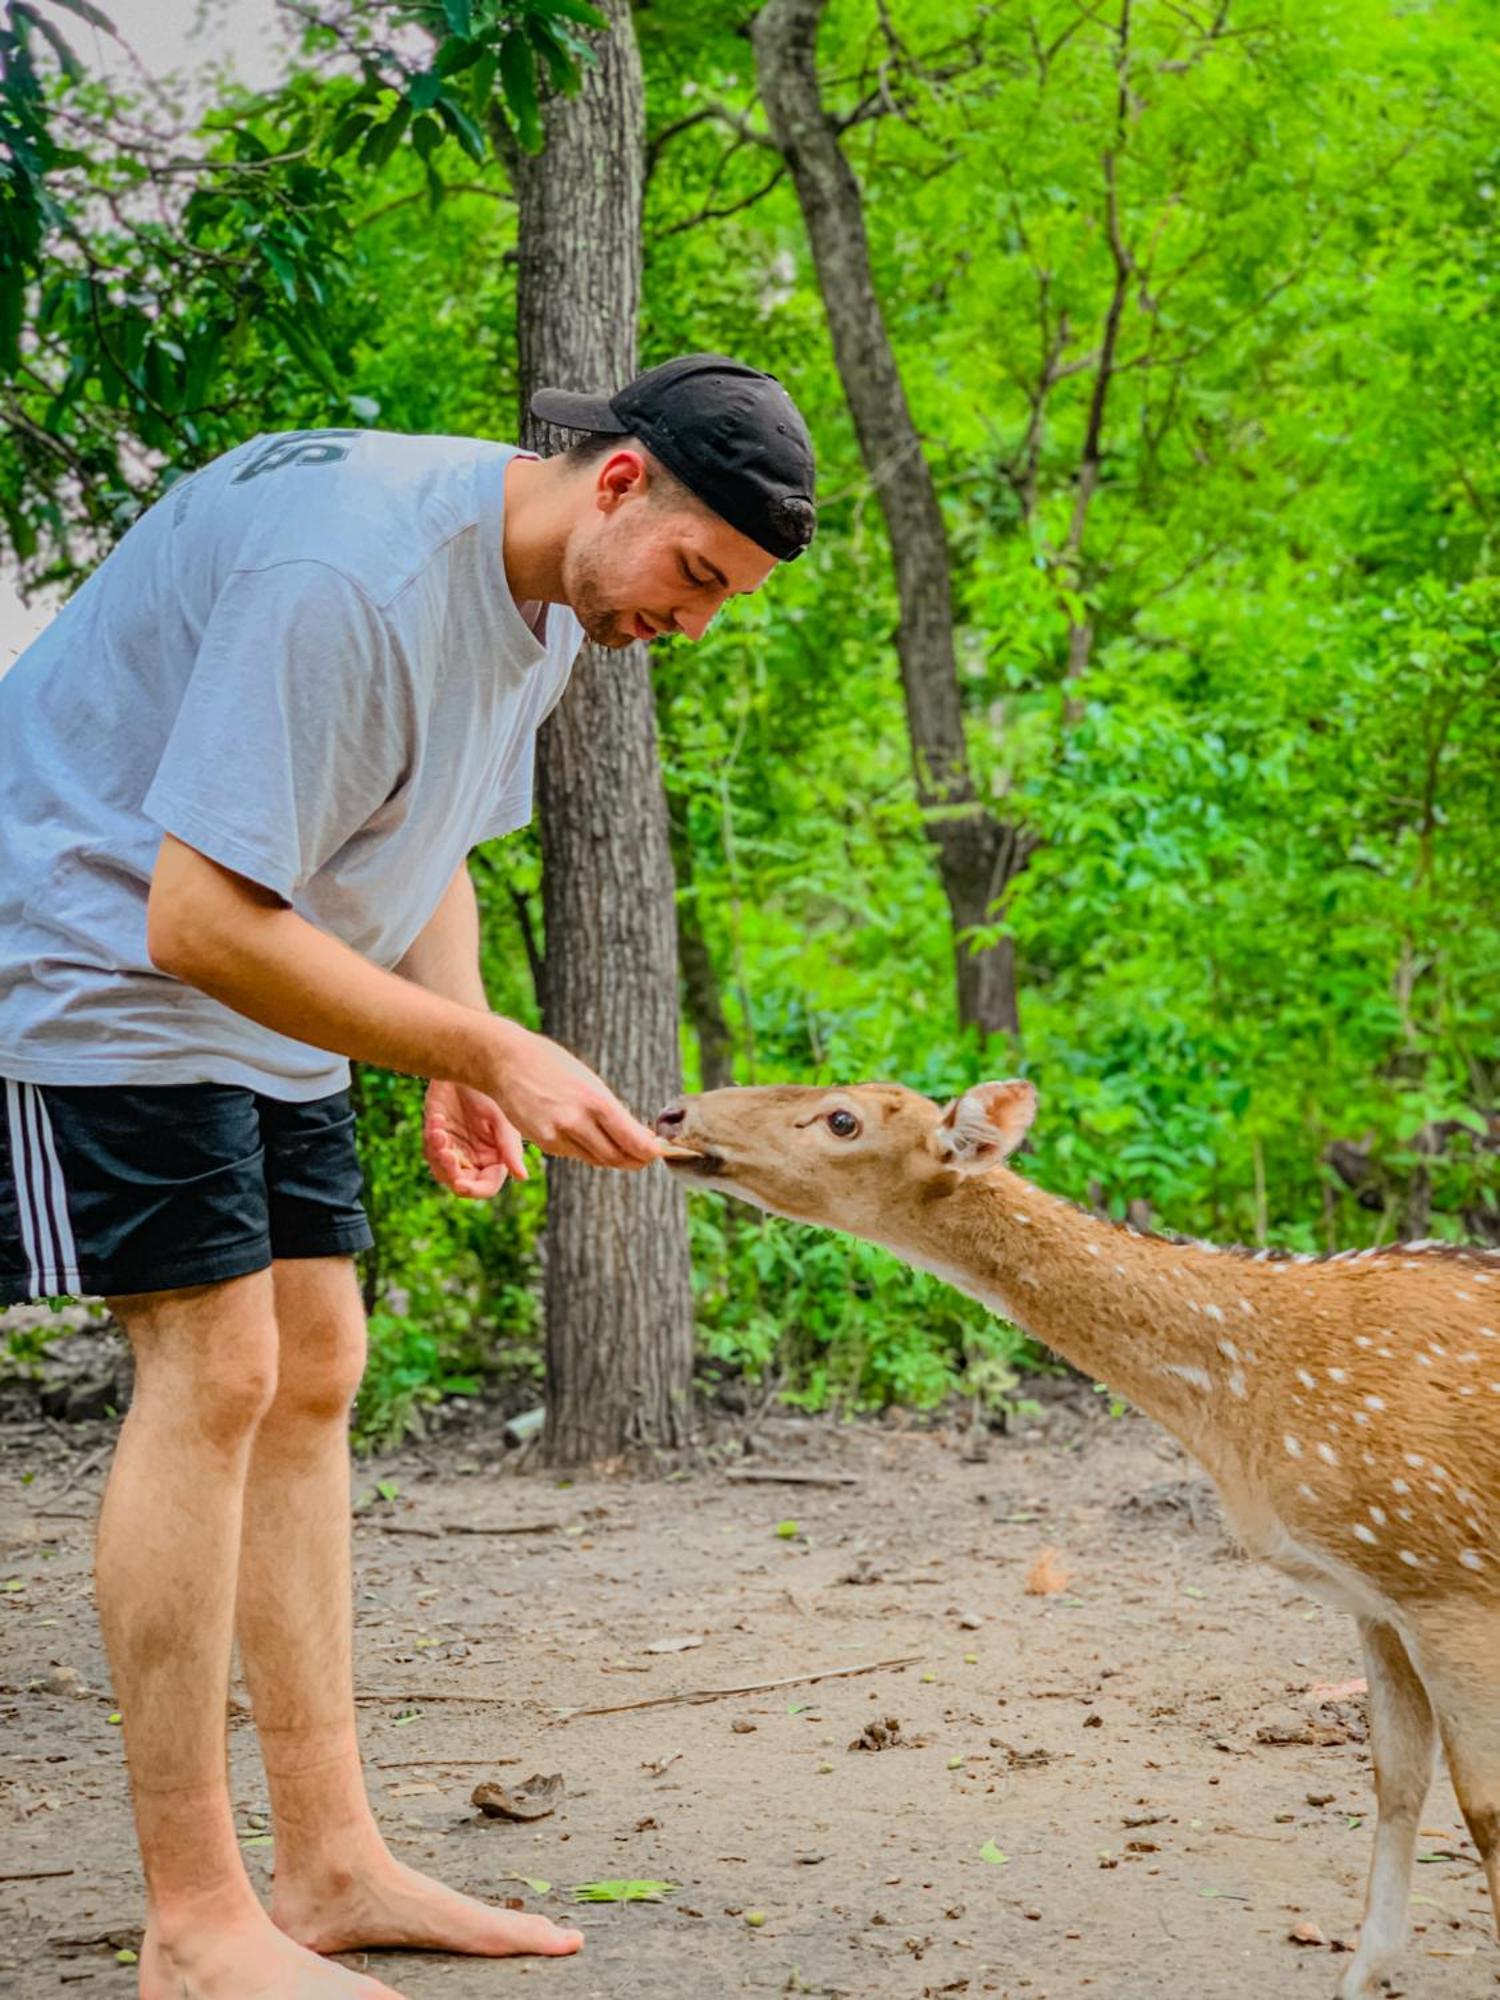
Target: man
(239, 776)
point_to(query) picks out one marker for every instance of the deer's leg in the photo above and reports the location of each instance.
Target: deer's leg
(1464, 1680)
(1403, 1739)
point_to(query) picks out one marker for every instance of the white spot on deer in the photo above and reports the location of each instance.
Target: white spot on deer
(1374, 1402)
(1363, 1340)
(1017, 1216)
(1423, 1361)
(1237, 1383)
(1385, 1354)
(1377, 1515)
(1400, 1486)
(1438, 1353)
(1093, 1249)
(1365, 1534)
(1468, 1390)
(1328, 1455)
(1470, 1560)
(1338, 1375)
(1362, 1420)
(1229, 1351)
(1211, 1311)
(1403, 1514)
(1414, 1460)
(1488, 1333)
(1465, 1296)
(1308, 1381)
(1412, 1562)
(1293, 1445)
(1471, 1357)
(1247, 1309)
(1306, 1491)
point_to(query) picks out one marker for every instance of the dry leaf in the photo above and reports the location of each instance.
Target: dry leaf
(1306, 1934)
(673, 1646)
(1046, 1576)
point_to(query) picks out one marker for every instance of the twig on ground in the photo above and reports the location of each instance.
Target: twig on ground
(785, 1476)
(695, 1695)
(33, 1874)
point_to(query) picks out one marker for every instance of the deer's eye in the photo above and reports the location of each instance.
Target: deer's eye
(843, 1124)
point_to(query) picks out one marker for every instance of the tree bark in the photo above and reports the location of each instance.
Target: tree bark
(978, 854)
(618, 1296)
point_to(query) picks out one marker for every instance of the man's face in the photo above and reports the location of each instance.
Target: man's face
(639, 566)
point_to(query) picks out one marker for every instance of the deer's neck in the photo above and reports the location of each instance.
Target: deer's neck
(1169, 1326)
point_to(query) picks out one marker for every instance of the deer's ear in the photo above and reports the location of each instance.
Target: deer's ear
(985, 1125)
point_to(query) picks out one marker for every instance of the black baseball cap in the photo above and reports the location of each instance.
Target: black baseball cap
(731, 434)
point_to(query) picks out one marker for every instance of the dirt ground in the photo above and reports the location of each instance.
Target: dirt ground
(1081, 1796)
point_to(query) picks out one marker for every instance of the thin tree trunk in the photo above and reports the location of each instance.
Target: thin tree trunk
(978, 855)
(619, 1311)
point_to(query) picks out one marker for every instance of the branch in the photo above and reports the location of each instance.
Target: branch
(734, 207)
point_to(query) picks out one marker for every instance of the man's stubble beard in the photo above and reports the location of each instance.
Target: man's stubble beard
(604, 624)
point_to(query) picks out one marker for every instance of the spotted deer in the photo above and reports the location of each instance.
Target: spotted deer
(1348, 1407)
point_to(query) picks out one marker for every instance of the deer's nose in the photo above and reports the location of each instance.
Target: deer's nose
(671, 1121)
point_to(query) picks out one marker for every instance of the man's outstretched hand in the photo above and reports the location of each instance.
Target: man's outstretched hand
(472, 1138)
(468, 1142)
(558, 1103)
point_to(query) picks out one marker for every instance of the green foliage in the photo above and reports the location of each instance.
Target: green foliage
(1248, 695)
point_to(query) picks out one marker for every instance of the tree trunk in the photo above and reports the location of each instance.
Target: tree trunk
(978, 855)
(619, 1309)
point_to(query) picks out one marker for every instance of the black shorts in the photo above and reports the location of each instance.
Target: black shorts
(119, 1188)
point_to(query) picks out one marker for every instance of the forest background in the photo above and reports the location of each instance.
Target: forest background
(1192, 307)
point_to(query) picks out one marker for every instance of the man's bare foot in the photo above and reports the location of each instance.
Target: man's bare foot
(247, 1958)
(384, 1902)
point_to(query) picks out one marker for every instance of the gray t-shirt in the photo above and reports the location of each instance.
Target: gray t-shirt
(305, 661)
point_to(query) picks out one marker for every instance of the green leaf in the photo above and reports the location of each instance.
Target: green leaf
(621, 1892)
(347, 131)
(575, 10)
(460, 16)
(424, 90)
(308, 351)
(562, 65)
(991, 1853)
(463, 128)
(454, 57)
(534, 1883)
(282, 265)
(384, 139)
(518, 80)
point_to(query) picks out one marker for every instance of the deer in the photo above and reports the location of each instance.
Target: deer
(1346, 1406)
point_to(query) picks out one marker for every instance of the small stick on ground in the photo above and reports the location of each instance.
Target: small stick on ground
(421, 1700)
(452, 1763)
(785, 1476)
(695, 1695)
(517, 1528)
(33, 1874)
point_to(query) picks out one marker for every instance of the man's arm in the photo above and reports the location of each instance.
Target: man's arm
(445, 955)
(245, 947)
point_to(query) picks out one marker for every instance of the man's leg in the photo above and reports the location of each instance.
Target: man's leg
(167, 1548)
(337, 1886)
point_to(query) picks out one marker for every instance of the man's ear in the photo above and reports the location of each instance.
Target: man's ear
(984, 1126)
(622, 473)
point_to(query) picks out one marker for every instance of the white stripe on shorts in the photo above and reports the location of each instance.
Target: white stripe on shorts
(42, 1199)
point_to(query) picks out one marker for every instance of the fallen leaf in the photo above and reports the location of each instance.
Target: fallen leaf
(673, 1646)
(621, 1892)
(1046, 1576)
(991, 1853)
(535, 1799)
(1306, 1934)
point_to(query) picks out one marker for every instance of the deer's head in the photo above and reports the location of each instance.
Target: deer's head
(849, 1157)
